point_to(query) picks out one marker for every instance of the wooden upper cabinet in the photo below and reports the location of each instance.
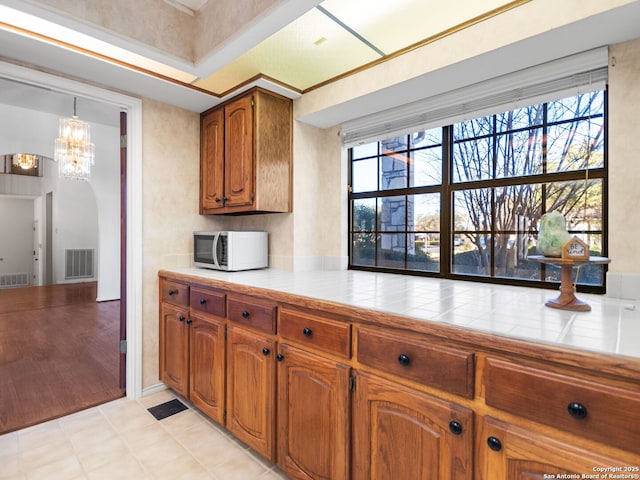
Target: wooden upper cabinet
(212, 149)
(238, 152)
(246, 155)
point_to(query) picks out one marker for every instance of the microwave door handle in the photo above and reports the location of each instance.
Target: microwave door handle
(216, 240)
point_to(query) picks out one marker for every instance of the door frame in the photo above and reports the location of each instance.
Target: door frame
(133, 107)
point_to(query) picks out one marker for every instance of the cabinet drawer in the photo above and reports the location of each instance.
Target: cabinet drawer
(589, 409)
(417, 358)
(253, 313)
(324, 334)
(175, 293)
(208, 301)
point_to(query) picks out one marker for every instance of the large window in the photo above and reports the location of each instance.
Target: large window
(465, 200)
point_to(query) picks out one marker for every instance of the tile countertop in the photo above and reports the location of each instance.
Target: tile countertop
(611, 327)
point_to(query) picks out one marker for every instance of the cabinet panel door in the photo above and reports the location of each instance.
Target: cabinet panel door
(519, 454)
(404, 433)
(313, 416)
(174, 348)
(239, 171)
(212, 161)
(206, 368)
(251, 387)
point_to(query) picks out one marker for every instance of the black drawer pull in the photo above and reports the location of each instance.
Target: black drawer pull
(404, 360)
(307, 332)
(172, 293)
(577, 410)
(494, 444)
(280, 357)
(245, 314)
(189, 321)
(455, 427)
(203, 301)
(266, 351)
(181, 318)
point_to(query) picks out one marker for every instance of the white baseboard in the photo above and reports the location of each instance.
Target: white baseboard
(158, 387)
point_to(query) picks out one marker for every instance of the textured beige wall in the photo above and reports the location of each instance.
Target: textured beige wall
(624, 157)
(170, 153)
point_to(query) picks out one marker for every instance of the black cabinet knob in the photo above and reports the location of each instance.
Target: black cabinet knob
(404, 360)
(218, 200)
(224, 199)
(577, 410)
(494, 444)
(172, 293)
(245, 314)
(455, 427)
(266, 351)
(280, 357)
(181, 318)
(203, 301)
(189, 321)
(307, 332)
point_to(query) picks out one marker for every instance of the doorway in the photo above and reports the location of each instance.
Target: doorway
(133, 280)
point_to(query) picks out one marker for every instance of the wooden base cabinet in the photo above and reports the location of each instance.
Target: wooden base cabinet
(174, 348)
(509, 452)
(206, 365)
(313, 415)
(251, 389)
(399, 432)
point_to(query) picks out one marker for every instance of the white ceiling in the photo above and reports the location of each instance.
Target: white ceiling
(616, 25)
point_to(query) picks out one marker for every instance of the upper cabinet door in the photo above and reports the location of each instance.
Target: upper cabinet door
(212, 162)
(239, 171)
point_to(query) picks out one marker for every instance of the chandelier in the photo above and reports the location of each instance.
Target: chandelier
(74, 151)
(25, 161)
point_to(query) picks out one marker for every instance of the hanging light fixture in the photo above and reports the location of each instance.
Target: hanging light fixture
(25, 161)
(74, 151)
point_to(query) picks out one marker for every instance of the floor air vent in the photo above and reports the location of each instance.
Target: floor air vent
(78, 263)
(14, 280)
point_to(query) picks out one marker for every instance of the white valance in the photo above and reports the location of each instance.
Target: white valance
(580, 73)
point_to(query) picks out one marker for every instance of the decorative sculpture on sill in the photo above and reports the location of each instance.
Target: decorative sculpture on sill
(553, 234)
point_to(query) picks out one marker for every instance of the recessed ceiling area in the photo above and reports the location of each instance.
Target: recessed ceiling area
(326, 41)
(341, 36)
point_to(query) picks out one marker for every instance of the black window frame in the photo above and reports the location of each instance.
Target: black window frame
(447, 188)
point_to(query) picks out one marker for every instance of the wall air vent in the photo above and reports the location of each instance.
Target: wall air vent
(78, 263)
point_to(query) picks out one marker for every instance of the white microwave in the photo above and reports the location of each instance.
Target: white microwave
(230, 251)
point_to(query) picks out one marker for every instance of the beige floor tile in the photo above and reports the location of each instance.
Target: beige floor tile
(102, 453)
(181, 421)
(184, 466)
(84, 420)
(38, 435)
(45, 454)
(9, 445)
(145, 436)
(127, 468)
(201, 434)
(274, 474)
(159, 453)
(129, 416)
(92, 436)
(10, 466)
(62, 469)
(213, 453)
(156, 398)
(238, 466)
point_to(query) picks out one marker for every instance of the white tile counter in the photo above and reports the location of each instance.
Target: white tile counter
(611, 327)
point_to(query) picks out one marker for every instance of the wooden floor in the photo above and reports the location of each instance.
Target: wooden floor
(59, 352)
